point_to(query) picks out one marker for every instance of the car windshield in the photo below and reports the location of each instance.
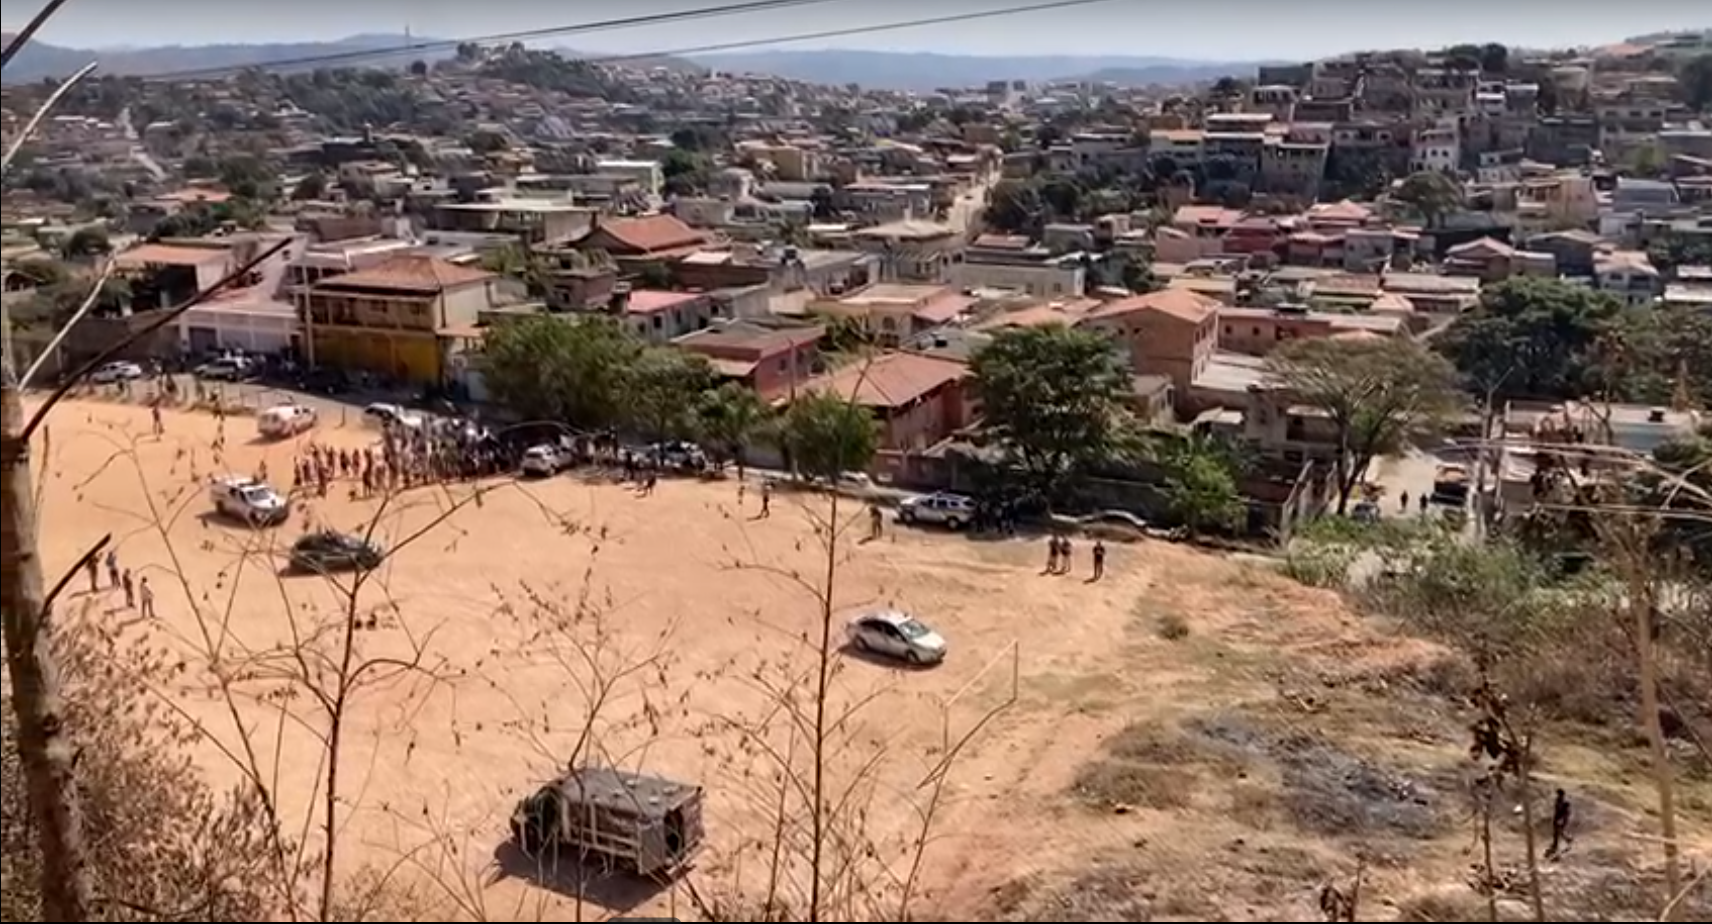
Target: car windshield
(911, 629)
(256, 494)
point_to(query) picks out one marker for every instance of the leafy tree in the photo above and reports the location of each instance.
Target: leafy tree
(729, 418)
(1431, 194)
(1201, 486)
(1696, 82)
(564, 369)
(487, 141)
(827, 436)
(1494, 58)
(686, 172)
(662, 390)
(1014, 206)
(41, 273)
(312, 186)
(85, 242)
(249, 177)
(1374, 392)
(1054, 397)
(1532, 338)
(1674, 250)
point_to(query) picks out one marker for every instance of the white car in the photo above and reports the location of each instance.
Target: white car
(244, 498)
(391, 415)
(116, 372)
(285, 420)
(952, 511)
(545, 460)
(896, 634)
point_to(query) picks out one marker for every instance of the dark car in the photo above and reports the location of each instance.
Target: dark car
(329, 551)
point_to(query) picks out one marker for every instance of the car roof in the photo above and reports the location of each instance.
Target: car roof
(890, 617)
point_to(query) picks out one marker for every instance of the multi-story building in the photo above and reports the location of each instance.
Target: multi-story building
(400, 320)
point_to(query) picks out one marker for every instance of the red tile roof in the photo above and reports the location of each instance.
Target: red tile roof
(652, 233)
(417, 273)
(892, 380)
(1180, 304)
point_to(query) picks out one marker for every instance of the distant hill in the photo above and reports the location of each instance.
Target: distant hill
(39, 60)
(926, 71)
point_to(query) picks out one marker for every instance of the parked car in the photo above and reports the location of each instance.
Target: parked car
(225, 369)
(545, 460)
(116, 372)
(328, 551)
(678, 454)
(248, 500)
(952, 511)
(285, 420)
(391, 415)
(896, 634)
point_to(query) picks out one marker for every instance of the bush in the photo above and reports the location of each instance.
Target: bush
(161, 840)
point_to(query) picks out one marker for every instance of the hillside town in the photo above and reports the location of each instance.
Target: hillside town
(1460, 295)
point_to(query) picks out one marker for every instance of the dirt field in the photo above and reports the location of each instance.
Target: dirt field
(1195, 738)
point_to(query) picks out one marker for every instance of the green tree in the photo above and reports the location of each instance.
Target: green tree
(548, 367)
(686, 172)
(1054, 396)
(1696, 82)
(826, 436)
(312, 186)
(249, 177)
(1532, 338)
(41, 273)
(663, 387)
(1015, 207)
(1375, 393)
(1201, 486)
(1494, 58)
(85, 242)
(1430, 194)
(729, 418)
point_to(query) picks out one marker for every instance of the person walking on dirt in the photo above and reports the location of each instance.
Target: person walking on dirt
(147, 595)
(1099, 559)
(876, 521)
(130, 589)
(1064, 556)
(1560, 825)
(94, 568)
(1424, 500)
(112, 568)
(155, 417)
(1052, 555)
(766, 500)
(1403, 502)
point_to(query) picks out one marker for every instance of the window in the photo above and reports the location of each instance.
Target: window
(1256, 332)
(1228, 331)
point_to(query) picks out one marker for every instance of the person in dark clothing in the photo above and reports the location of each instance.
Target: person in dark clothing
(1560, 825)
(1099, 559)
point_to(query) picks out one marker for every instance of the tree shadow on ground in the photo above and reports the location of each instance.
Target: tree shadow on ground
(572, 876)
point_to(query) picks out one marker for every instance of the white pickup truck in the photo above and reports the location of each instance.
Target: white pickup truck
(243, 498)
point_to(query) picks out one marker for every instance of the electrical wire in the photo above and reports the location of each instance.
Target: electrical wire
(713, 48)
(417, 48)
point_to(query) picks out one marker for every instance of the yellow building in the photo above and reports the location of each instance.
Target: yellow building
(398, 319)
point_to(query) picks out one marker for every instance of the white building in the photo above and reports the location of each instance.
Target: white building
(647, 173)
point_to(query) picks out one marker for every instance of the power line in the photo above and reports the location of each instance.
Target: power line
(894, 26)
(842, 33)
(413, 48)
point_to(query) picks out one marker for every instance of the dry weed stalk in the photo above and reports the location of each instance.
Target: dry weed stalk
(1506, 756)
(847, 877)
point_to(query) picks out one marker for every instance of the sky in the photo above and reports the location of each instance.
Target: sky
(1225, 30)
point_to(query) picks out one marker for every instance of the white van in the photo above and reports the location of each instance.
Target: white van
(285, 420)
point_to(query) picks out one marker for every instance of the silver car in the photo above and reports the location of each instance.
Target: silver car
(896, 634)
(952, 511)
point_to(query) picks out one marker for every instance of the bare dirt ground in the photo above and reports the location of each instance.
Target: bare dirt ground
(1194, 738)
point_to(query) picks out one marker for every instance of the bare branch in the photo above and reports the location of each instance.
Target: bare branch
(41, 113)
(29, 31)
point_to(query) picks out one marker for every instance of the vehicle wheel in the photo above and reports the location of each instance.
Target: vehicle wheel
(913, 657)
(953, 524)
(860, 643)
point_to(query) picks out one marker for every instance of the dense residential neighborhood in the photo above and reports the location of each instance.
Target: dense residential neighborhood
(1416, 328)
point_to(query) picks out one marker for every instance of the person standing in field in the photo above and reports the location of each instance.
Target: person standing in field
(147, 595)
(129, 588)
